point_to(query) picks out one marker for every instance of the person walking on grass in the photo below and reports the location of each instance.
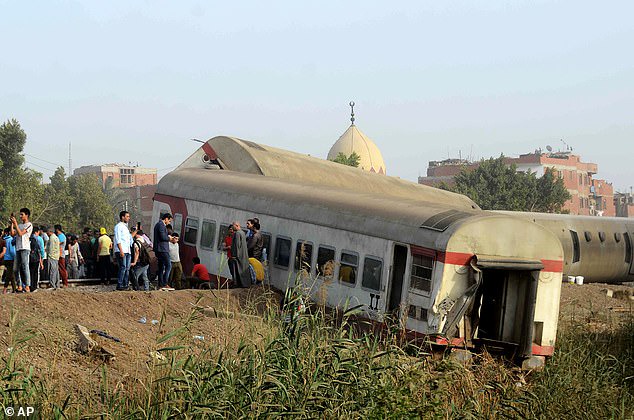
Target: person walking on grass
(123, 245)
(23, 233)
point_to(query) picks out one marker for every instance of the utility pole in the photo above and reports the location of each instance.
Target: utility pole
(70, 160)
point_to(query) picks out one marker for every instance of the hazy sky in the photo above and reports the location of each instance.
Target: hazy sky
(135, 80)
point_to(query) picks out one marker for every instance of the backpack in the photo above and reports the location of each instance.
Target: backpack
(144, 255)
(34, 255)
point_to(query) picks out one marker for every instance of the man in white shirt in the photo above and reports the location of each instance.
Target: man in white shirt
(122, 247)
(176, 273)
(23, 233)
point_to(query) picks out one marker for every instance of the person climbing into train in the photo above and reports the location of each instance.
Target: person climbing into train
(239, 253)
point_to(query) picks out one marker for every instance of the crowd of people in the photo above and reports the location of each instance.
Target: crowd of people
(31, 255)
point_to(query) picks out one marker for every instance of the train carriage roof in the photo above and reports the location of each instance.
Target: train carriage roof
(404, 218)
(238, 155)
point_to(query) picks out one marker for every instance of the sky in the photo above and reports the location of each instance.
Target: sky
(134, 81)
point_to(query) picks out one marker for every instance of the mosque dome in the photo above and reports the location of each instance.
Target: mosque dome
(353, 140)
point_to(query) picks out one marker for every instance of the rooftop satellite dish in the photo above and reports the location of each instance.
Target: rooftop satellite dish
(550, 149)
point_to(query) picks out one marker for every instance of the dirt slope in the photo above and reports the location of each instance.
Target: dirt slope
(52, 315)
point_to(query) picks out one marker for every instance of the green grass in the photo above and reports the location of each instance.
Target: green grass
(329, 371)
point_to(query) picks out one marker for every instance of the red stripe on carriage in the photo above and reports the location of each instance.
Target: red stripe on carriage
(209, 151)
(553, 266)
(543, 350)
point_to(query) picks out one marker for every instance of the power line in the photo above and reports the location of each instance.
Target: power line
(40, 166)
(35, 157)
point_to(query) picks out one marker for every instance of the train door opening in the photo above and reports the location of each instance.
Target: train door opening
(399, 263)
(504, 316)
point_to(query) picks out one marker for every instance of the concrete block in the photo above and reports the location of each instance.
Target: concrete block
(608, 292)
(464, 357)
(534, 363)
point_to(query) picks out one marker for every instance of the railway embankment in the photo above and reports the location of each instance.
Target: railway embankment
(226, 353)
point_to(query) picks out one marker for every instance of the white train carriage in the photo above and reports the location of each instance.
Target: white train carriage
(472, 277)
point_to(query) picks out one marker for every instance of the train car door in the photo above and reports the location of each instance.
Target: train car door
(395, 292)
(505, 303)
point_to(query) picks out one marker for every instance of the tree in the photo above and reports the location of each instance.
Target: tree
(352, 160)
(12, 140)
(24, 189)
(90, 202)
(494, 185)
(58, 193)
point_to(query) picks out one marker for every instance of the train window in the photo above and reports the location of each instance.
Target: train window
(417, 312)
(422, 267)
(575, 246)
(617, 237)
(303, 256)
(325, 261)
(588, 236)
(602, 236)
(191, 231)
(208, 234)
(372, 268)
(223, 232)
(628, 248)
(177, 223)
(348, 267)
(282, 252)
(266, 240)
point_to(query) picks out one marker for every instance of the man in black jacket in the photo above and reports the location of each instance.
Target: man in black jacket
(161, 249)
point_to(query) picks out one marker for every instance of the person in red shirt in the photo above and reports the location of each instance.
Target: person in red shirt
(226, 243)
(199, 275)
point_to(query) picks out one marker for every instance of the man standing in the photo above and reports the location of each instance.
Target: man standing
(41, 243)
(23, 233)
(103, 254)
(63, 274)
(35, 259)
(255, 243)
(242, 276)
(8, 261)
(140, 261)
(123, 245)
(53, 251)
(176, 272)
(162, 250)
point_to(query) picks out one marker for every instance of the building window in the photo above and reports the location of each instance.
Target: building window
(422, 267)
(126, 175)
(602, 236)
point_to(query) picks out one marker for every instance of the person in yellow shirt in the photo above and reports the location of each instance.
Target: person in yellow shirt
(103, 255)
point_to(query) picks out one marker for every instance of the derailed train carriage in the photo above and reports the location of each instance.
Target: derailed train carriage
(430, 258)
